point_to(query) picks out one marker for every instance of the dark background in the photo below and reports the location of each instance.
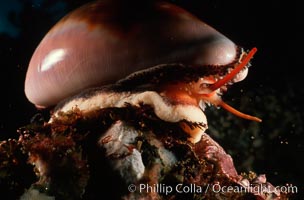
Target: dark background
(273, 90)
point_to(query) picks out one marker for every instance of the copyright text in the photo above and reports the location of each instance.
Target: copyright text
(216, 188)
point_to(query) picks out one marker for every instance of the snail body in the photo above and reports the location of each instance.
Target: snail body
(159, 55)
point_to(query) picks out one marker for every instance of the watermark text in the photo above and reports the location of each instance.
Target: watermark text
(216, 188)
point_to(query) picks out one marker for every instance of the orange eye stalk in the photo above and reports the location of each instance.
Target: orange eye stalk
(234, 72)
(226, 79)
